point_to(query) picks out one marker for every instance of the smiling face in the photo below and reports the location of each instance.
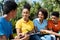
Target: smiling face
(25, 13)
(54, 18)
(40, 15)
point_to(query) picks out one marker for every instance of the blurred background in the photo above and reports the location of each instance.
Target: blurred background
(49, 5)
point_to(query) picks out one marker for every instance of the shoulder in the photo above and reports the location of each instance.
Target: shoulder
(59, 21)
(19, 21)
(45, 20)
(36, 19)
(31, 21)
(49, 20)
(1, 19)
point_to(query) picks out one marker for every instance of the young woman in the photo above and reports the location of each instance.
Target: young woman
(24, 25)
(40, 23)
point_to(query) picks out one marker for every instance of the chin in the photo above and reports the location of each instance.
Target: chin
(40, 18)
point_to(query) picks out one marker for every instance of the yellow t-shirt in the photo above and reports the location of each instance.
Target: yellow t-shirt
(25, 26)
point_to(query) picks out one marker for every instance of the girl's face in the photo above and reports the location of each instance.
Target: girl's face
(25, 13)
(40, 15)
(54, 18)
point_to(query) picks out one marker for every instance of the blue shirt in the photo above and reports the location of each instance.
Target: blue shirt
(5, 27)
(39, 25)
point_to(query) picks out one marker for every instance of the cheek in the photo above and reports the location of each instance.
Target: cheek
(53, 19)
(40, 16)
(14, 14)
(28, 14)
(22, 14)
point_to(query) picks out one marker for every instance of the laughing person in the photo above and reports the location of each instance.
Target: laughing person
(24, 25)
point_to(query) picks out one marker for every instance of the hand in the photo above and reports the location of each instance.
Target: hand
(19, 36)
(26, 37)
(43, 32)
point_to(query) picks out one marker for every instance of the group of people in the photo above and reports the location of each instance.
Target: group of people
(38, 29)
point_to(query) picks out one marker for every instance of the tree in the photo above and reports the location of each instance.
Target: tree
(51, 5)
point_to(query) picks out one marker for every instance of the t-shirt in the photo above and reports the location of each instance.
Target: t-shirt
(40, 25)
(25, 26)
(5, 27)
(52, 26)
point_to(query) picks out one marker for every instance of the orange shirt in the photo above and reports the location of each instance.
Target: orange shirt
(52, 26)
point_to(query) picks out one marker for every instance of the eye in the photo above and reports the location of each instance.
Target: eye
(53, 18)
(23, 12)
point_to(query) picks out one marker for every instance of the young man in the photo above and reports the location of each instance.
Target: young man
(54, 25)
(9, 11)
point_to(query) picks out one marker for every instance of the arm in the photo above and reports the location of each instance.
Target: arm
(19, 34)
(18, 31)
(54, 33)
(11, 37)
(2, 35)
(51, 32)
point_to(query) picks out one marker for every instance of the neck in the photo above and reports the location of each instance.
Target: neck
(6, 17)
(41, 21)
(26, 19)
(56, 21)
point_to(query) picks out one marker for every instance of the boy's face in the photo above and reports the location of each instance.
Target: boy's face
(54, 18)
(25, 13)
(13, 13)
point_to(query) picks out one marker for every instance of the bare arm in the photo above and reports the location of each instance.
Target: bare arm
(3, 37)
(18, 31)
(23, 36)
(11, 37)
(54, 33)
(51, 32)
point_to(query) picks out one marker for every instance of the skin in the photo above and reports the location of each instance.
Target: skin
(25, 14)
(41, 16)
(55, 19)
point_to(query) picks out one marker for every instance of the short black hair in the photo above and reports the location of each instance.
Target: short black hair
(27, 6)
(9, 6)
(44, 12)
(55, 13)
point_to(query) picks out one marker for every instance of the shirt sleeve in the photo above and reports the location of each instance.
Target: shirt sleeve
(34, 22)
(1, 30)
(18, 24)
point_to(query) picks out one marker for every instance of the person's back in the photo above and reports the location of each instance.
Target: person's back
(5, 26)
